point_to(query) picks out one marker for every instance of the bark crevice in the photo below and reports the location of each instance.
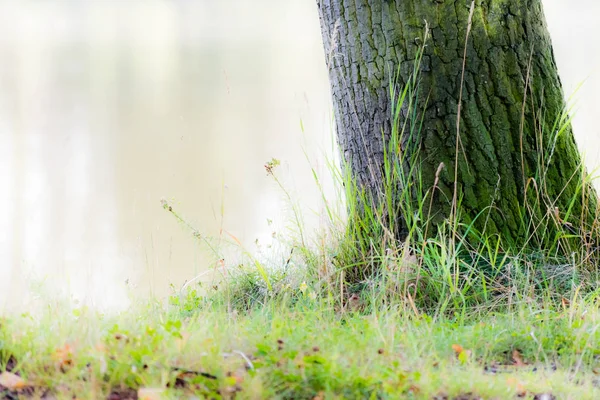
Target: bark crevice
(366, 42)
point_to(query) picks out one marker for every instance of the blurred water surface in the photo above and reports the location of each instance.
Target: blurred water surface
(108, 106)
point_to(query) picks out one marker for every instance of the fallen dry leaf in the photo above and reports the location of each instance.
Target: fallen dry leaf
(457, 348)
(12, 381)
(237, 377)
(319, 396)
(518, 386)
(64, 356)
(414, 389)
(518, 358)
(462, 354)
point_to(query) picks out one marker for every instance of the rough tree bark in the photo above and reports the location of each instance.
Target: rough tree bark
(508, 51)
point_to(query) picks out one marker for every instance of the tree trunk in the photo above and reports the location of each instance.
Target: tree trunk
(510, 146)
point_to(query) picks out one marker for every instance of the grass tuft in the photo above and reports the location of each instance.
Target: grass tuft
(350, 312)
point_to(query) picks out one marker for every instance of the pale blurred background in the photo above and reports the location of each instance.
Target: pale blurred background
(108, 106)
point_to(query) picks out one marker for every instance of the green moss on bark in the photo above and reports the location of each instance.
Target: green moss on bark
(507, 129)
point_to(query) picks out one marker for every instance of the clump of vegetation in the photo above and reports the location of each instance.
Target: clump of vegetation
(356, 313)
(304, 348)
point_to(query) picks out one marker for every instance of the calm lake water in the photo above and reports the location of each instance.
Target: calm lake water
(106, 107)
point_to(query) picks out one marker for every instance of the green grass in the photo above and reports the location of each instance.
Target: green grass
(419, 319)
(350, 312)
(306, 350)
(440, 318)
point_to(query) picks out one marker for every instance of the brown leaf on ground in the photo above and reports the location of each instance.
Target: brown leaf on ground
(64, 357)
(237, 377)
(518, 358)
(319, 396)
(517, 385)
(461, 353)
(12, 381)
(457, 348)
(414, 389)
